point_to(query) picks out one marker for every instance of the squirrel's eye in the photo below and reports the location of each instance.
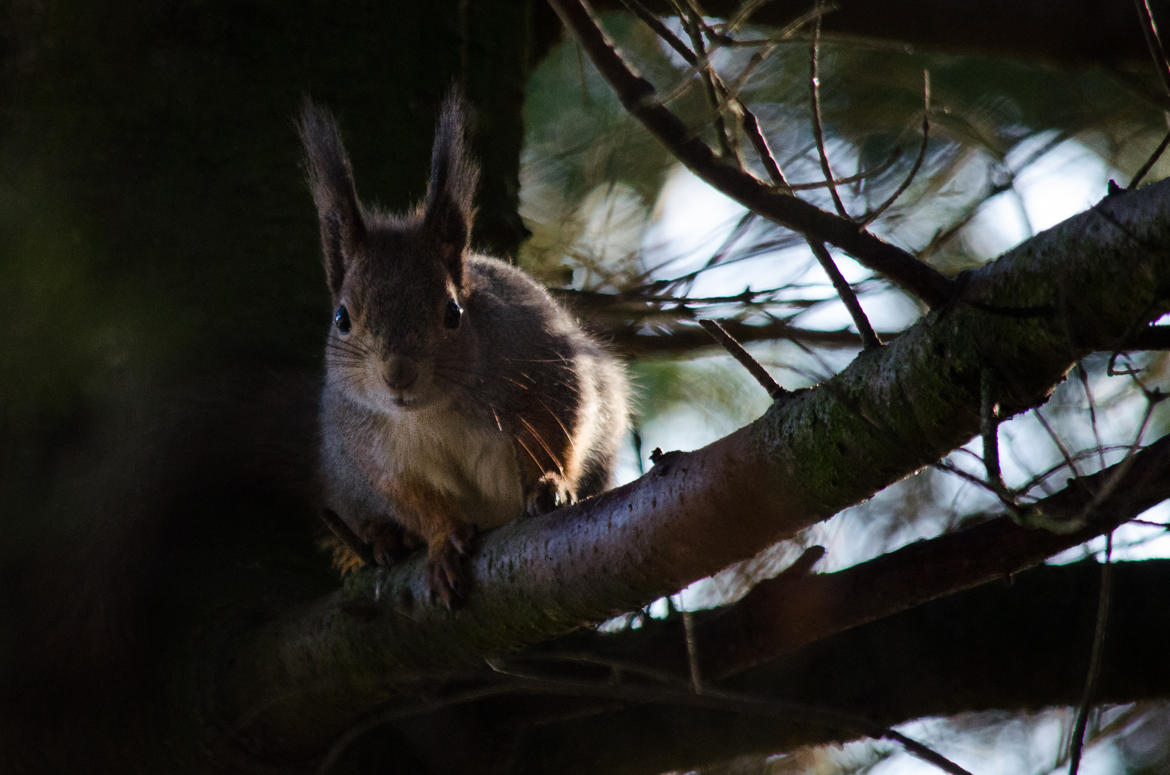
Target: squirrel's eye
(452, 314)
(341, 319)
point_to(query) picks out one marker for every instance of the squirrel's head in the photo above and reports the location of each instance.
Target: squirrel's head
(400, 337)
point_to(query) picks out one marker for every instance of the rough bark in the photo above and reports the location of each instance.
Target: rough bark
(1028, 316)
(1013, 647)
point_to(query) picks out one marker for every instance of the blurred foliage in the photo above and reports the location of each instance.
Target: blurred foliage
(595, 182)
(597, 187)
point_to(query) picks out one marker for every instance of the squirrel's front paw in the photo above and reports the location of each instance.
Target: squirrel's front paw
(447, 574)
(389, 541)
(546, 495)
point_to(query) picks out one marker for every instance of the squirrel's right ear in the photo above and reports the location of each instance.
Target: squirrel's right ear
(331, 181)
(449, 208)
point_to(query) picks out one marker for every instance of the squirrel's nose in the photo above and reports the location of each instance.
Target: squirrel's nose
(401, 372)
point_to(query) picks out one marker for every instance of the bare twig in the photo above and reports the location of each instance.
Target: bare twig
(905, 184)
(1095, 658)
(719, 95)
(926, 570)
(688, 620)
(745, 359)
(724, 701)
(1083, 377)
(869, 337)
(692, 22)
(1069, 460)
(1154, 41)
(989, 431)
(814, 85)
(1150, 162)
(1153, 398)
(641, 100)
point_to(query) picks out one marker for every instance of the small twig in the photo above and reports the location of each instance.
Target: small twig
(905, 184)
(1111, 483)
(814, 82)
(751, 128)
(869, 337)
(688, 621)
(711, 89)
(347, 536)
(1095, 658)
(1068, 457)
(723, 701)
(745, 359)
(1150, 162)
(639, 97)
(989, 431)
(652, 21)
(1154, 41)
(1083, 377)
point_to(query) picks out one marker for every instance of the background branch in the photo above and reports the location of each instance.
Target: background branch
(640, 99)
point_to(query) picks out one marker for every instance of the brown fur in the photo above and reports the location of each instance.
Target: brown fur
(431, 430)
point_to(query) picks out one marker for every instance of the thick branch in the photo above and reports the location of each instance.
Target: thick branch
(1014, 646)
(785, 614)
(1102, 274)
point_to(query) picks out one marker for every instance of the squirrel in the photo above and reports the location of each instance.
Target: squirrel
(458, 394)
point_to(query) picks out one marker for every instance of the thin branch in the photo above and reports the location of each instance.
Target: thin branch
(1150, 162)
(693, 25)
(696, 673)
(780, 616)
(681, 340)
(989, 432)
(716, 90)
(651, 20)
(868, 337)
(641, 100)
(726, 701)
(1095, 658)
(758, 372)
(905, 184)
(1154, 41)
(814, 85)
(1106, 490)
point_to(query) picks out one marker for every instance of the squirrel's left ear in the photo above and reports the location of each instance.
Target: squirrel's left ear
(449, 209)
(343, 227)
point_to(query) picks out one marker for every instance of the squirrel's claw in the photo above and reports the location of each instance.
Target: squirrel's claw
(390, 542)
(546, 495)
(447, 575)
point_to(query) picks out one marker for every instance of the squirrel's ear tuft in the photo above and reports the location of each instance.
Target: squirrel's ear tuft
(450, 195)
(331, 181)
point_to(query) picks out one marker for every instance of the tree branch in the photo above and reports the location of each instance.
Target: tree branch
(1076, 34)
(998, 647)
(296, 681)
(642, 101)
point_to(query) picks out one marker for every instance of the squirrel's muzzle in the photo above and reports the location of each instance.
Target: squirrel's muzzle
(401, 372)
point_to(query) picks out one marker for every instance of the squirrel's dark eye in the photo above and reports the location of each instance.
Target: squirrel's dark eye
(341, 319)
(452, 314)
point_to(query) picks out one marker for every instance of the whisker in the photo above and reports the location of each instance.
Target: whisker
(518, 440)
(568, 436)
(540, 440)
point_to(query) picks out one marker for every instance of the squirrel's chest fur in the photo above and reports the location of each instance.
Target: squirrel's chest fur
(434, 447)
